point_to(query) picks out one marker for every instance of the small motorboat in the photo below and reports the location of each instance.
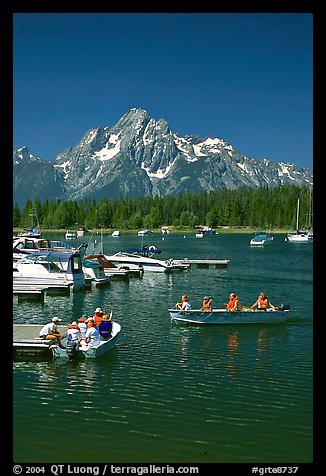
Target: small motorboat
(80, 353)
(261, 239)
(70, 235)
(221, 316)
(27, 344)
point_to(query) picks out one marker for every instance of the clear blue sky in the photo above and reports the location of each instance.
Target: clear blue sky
(245, 78)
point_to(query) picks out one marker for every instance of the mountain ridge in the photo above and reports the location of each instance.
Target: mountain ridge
(140, 156)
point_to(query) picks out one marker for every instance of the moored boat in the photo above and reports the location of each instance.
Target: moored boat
(261, 239)
(51, 269)
(70, 235)
(144, 258)
(300, 236)
(221, 316)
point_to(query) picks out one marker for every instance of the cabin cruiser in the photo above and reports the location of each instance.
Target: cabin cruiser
(70, 235)
(49, 269)
(25, 245)
(147, 231)
(144, 258)
(95, 271)
(113, 271)
(206, 231)
(261, 239)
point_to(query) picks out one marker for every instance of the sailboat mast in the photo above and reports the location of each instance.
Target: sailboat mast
(298, 210)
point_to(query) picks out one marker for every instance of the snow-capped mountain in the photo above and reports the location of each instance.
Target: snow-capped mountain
(141, 156)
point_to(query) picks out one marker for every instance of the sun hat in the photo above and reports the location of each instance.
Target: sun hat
(56, 319)
(98, 309)
(74, 323)
(206, 298)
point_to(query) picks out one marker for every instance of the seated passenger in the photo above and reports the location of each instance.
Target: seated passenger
(184, 305)
(98, 314)
(233, 304)
(92, 337)
(50, 332)
(105, 327)
(73, 333)
(207, 304)
(263, 302)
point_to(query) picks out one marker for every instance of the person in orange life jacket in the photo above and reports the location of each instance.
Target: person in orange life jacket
(73, 333)
(233, 304)
(207, 304)
(184, 305)
(263, 302)
(105, 327)
(98, 314)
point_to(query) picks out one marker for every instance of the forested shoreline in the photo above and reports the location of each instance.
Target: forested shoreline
(244, 207)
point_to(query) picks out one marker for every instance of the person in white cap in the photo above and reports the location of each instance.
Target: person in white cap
(50, 332)
(98, 314)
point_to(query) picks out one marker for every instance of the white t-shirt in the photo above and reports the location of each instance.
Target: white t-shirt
(186, 306)
(83, 328)
(94, 337)
(48, 329)
(74, 335)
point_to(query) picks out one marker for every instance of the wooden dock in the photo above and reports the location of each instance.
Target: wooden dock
(26, 340)
(204, 263)
(39, 293)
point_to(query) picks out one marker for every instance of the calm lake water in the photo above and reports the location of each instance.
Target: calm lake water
(177, 394)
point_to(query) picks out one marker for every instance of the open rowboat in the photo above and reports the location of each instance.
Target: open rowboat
(221, 316)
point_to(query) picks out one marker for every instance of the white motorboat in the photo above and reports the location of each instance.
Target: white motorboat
(221, 316)
(261, 239)
(95, 271)
(80, 353)
(147, 231)
(27, 343)
(113, 271)
(116, 233)
(206, 231)
(49, 269)
(70, 235)
(300, 236)
(27, 245)
(143, 258)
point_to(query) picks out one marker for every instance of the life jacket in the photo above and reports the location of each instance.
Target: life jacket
(73, 326)
(262, 303)
(230, 304)
(98, 318)
(207, 305)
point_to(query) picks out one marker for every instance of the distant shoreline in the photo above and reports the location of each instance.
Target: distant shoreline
(174, 230)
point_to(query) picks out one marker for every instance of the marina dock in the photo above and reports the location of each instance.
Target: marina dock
(203, 263)
(39, 293)
(26, 339)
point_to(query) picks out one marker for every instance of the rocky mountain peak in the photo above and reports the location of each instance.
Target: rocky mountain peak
(142, 156)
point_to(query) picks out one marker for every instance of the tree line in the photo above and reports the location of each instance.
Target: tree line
(253, 207)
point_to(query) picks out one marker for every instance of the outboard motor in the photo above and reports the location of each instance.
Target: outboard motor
(283, 307)
(71, 349)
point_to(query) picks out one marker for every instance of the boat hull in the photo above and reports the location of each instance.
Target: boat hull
(221, 316)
